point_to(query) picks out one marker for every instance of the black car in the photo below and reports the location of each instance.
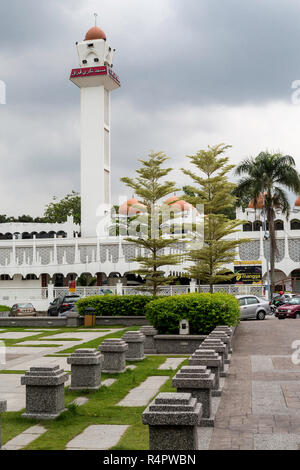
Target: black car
(62, 304)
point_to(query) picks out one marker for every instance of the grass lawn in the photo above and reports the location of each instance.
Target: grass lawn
(100, 409)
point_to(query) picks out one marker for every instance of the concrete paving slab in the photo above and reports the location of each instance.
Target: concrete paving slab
(80, 401)
(25, 438)
(141, 395)
(17, 335)
(171, 363)
(40, 361)
(12, 391)
(97, 437)
(204, 437)
(108, 382)
(86, 336)
(276, 441)
(267, 398)
(261, 363)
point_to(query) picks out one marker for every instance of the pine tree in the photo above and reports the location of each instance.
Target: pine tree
(214, 191)
(150, 187)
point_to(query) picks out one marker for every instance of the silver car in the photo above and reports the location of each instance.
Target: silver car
(254, 307)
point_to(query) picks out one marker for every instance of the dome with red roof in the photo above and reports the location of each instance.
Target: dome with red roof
(131, 207)
(179, 204)
(297, 202)
(259, 202)
(95, 33)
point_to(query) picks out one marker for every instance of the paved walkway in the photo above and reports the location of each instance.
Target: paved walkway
(260, 404)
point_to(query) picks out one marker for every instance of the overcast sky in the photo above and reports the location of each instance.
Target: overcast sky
(193, 73)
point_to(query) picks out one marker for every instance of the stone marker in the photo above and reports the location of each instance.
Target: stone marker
(3, 408)
(197, 380)
(149, 332)
(114, 360)
(44, 392)
(135, 341)
(229, 331)
(86, 369)
(218, 346)
(184, 327)
(212, 360)
(172, 420)
(223, 337)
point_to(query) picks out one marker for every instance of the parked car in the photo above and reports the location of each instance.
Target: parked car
(254, 307)
(73, 309)
(22, 310)
(62, 304)
(291, 309)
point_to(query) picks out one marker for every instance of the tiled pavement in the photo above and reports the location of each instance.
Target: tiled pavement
(260, 405)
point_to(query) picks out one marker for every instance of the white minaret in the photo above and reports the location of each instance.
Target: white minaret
(96, 80)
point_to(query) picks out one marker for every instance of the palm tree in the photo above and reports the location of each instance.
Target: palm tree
(267, 177)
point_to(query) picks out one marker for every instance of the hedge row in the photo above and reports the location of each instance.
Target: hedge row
(204, 312)
(115, 305)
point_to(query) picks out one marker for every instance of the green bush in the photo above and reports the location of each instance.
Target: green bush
(115, 305)
(204, 312)
(4, 308)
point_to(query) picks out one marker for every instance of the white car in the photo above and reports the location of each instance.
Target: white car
(253, 307)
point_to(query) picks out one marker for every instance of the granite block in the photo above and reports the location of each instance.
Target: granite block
(44, 392)
(135, 341)
(114, 355)
(86, 367)
(172, 420)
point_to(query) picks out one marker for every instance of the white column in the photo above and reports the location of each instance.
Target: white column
(95, 156)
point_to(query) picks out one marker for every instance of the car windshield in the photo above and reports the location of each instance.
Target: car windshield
(24, 305)
(294, 301)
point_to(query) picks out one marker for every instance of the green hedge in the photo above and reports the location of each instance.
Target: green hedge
(115, 305)
(204, 312)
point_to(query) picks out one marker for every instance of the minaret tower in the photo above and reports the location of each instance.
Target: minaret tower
(96, 80)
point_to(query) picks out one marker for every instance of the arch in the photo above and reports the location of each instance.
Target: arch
(279, 225)
(45, 279)
(295, 224)
(42, 235)
(114, 275)
(295, 280)
(133, 279)
(257, 225)
(86, 280)
(26, 236)
(8, 236)
(52, 234)
(30, 277)
(5, 277)
(58, 280)
(61, 234)
(101, 279)
(247, 227)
